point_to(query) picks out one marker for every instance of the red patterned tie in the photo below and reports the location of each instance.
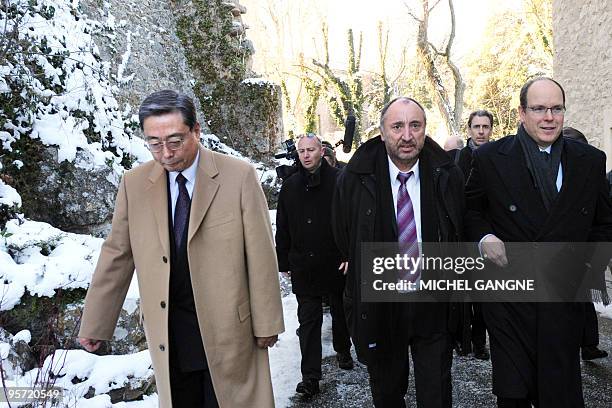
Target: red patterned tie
(406, 227)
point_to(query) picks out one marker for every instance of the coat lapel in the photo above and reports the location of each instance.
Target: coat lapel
(158, 199)
(513, 173)
(204, 191)
(575, 165)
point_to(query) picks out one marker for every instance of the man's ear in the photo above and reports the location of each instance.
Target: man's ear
(521, 112)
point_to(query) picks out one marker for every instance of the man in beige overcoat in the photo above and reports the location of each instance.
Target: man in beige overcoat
(194, 224)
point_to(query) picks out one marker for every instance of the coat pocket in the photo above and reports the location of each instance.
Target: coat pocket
(244, 311)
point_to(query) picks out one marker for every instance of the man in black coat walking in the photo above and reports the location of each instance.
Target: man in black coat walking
(402, 165)
(473, 336)
(536, 187)
(306, 250)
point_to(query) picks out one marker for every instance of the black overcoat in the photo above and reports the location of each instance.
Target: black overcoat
(535, 346)
(304, 241)
(375, 327)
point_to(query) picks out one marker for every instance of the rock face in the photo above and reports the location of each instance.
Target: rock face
(69, 197)
(16, 356)
(143, 48)
(583, 65)
(244, 114)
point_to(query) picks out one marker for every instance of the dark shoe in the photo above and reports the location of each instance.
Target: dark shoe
(308, 388)
(592, 353)
(481, 353)
(345, 361)
(461, 351)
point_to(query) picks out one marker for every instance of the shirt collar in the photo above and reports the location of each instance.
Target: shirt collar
(547, 149)
(394, 171)
(189, 173)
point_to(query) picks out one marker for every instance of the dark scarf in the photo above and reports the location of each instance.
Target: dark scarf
(544, 172)
(311, 179)
(471, 144)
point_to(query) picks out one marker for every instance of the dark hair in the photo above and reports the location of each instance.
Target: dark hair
(572, 133)
(403, 99)
(168, 101)
(480, 113)
(525, 88)
(326, 144)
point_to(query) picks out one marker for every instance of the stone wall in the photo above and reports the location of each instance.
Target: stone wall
(583, 64)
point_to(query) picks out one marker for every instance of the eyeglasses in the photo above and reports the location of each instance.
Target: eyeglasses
(543, 110)
(172, 143)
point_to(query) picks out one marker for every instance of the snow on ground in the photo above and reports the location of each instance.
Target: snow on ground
(285, 355)
(605, 311)
(44, 258)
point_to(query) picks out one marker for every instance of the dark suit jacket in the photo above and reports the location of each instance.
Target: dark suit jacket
(539, 358)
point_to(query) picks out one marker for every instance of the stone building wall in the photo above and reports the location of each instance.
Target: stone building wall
(583, 64)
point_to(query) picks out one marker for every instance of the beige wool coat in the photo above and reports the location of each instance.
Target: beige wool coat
(233, 267)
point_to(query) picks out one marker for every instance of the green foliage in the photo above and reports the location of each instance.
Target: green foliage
(218, 59)
(501, 67)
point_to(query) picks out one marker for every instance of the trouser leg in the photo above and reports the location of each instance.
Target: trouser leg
(310, 317)
(432, 357)
(192, 389)
(389, 378)
(512, 403)
(340, 333)
(590, 335)
(479, 331)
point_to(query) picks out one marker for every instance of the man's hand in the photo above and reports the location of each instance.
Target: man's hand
(265, 342)
(493, 249)
(90, 345)
(343, 267)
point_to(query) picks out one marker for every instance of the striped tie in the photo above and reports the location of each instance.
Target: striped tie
(406, 227)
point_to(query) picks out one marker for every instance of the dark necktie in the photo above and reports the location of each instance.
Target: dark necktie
(406, 226)
(545, 155)
(181, 211)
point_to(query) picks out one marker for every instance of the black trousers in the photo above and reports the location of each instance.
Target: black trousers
(310, 317)
(473, 330)
(432, 359)
(192, 389)
(513, 403)
(590, 335)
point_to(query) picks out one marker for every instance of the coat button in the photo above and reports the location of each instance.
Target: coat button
(512, 208)
(584, 211)
(369, 212)
(308, 221)
(162, 304)
(364, 316)
(311, 254)
(162, 347)
(164, 259)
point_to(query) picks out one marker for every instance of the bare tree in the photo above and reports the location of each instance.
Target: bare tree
(433, 61)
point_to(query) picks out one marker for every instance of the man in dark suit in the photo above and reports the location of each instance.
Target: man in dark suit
(480, 128)
(306, 250)
(473, 334)
(536, 186)
(399, 187)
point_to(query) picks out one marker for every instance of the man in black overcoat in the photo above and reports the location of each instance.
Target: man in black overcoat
(306, 250)
(401, 162)
(536, 187)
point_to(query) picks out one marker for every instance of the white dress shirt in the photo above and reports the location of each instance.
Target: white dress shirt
(559, 181)
(413, 186)
(190, 174)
